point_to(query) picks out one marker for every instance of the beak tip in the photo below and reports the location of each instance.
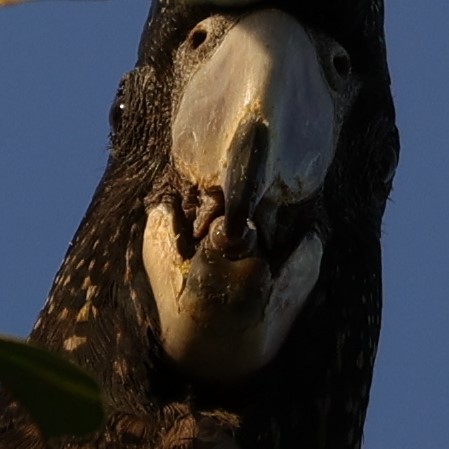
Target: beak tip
(232, 245)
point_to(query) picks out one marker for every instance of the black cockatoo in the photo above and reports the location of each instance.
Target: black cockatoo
(224, 286)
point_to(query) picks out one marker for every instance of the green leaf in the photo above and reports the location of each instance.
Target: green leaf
(61, 398)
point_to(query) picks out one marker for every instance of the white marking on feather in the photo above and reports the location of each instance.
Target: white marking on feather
(51, 306)
(105, 267)
(66, 280)
(63, 314)
(83, 314)
(91, 292)
(37, 324)
(72, 343)
(86, 283)
(121, 368)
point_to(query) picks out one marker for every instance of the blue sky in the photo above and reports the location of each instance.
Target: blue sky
(60, 66)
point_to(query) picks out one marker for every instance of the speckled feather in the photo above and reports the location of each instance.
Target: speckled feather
(101, 313)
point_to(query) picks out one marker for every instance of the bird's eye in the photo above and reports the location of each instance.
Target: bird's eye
(116, 114)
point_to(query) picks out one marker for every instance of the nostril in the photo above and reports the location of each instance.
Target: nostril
(116, 114)
(197, 37)
(342, 64)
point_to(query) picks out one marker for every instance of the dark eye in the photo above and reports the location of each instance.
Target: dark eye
(116, 114)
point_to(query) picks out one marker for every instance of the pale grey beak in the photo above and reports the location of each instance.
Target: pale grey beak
(256, 120)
